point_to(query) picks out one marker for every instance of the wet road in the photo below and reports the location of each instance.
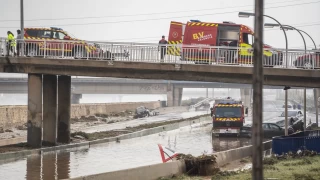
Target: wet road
(137, 122)
(130, 153)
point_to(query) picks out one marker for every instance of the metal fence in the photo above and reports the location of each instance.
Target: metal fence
(153, 53)
(309, 140)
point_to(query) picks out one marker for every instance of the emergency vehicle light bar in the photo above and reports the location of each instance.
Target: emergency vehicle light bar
(228, 22)
(56, 28)
(230, 102)
(195, 20)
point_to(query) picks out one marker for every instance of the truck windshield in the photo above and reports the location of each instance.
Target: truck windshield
(228, 112)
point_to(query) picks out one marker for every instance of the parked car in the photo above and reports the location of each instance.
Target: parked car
(269, 130)
(293, 116)
(308, 61)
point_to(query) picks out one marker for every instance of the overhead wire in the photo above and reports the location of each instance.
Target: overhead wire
(145, 14)
(154, 19)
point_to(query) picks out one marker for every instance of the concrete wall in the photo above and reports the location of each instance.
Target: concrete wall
(152, 172)
(12, 116)
(228, 156)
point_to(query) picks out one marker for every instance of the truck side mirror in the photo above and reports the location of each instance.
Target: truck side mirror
(246, 110)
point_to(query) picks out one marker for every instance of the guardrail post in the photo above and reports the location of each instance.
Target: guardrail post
(45, 48)
(62, 50)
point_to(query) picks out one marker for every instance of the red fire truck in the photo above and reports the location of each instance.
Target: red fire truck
(226, 34)
(228, 116)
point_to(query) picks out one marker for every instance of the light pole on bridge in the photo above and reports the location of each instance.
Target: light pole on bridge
(21, 27)
(247, 15)
(288, 27)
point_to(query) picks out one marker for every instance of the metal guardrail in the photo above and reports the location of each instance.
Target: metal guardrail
(201, 102)
(151, 53)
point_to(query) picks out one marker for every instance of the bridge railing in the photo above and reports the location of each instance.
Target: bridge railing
(153, 53)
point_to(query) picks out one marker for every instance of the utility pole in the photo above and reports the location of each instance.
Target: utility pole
(257, 84)
(305, 108)
(22, 26)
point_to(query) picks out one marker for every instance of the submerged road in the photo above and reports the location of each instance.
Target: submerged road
(195, 140)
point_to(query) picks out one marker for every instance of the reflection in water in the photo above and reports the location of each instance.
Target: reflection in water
(226, 143)
(48, 166)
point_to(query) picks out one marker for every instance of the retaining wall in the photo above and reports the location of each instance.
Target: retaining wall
(151, 172)
(13, 116)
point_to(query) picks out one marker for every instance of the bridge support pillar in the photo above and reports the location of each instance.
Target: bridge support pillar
(245, 97)
(50, 109)
(75, 98)
(34, 134)
(64, 107)
(177, 94)
(174, 96)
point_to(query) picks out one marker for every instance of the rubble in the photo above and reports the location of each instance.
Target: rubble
(203, 165)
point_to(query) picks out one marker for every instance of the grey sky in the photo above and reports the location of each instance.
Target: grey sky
(306, 13)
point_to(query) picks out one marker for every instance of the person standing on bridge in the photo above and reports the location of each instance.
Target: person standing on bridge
(11, 43)
(19, 41)
(163, 48)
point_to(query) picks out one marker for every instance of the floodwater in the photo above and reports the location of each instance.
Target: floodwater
(195, 140)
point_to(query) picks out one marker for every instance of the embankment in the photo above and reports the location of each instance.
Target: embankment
(13, 116)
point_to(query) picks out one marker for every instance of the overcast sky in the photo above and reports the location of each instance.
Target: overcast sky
(146, 21)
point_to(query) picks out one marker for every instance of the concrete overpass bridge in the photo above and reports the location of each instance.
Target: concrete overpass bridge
(126, 86)
(49, 79)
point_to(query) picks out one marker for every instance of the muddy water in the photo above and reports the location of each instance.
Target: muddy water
(115, 156)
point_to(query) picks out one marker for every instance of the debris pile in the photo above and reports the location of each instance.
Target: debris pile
(203, 165)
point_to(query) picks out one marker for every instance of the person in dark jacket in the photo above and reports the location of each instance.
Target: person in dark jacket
(163, 48)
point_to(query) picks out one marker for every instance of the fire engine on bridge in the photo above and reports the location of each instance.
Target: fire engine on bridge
(237, 40)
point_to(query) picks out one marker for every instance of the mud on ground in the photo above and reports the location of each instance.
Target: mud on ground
(82, 136)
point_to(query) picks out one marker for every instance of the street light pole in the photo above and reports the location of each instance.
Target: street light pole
(21, 27)
(315, 46)
(246, 14)
(257, 156)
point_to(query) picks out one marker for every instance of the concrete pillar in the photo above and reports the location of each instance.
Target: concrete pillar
(212, 92)
(207, 92)
(34, 134)
(177, 96)
(75, 98)
(245, 97)
(64, 107)
(169, 95)
(174, 96)
(50, 109)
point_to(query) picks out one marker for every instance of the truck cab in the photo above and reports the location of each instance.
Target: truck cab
(224, 42)
(228, 117)
(55, 41)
